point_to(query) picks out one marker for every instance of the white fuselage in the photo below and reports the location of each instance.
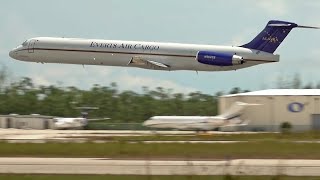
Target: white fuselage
(231, 117)
(189, 122)
(69, 123)
(121, 53)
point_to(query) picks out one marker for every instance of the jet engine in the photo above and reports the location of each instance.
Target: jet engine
(219, 59)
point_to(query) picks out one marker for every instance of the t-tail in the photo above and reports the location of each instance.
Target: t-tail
(273, 35)
(235, 110)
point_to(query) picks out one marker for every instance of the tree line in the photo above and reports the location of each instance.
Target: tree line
(24, 97)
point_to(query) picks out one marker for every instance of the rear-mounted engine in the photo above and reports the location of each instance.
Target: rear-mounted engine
(219, 59)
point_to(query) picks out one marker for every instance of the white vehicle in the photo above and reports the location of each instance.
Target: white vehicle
(200, 123)
(155, 55)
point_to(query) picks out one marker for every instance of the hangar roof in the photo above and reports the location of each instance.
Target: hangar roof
(280, 92)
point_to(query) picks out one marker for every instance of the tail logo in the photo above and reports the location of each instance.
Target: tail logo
(271, 39)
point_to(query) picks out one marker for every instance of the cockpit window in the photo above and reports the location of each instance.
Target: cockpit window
(25, 43)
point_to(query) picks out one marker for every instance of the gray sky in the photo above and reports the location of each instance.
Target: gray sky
(218, 22)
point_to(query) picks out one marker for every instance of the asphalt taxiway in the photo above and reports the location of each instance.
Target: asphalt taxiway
(156, 167)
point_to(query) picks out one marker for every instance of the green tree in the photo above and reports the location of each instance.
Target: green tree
(296, 82)
(235, 90)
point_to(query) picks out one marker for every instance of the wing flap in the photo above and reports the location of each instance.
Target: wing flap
(145, 62)
(158, 64)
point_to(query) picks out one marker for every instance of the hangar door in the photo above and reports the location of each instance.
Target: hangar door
(315, 121)
(8, 123)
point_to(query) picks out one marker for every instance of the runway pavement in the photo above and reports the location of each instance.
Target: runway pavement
(80, 136)
(49, 132)
(42, 136)
(154, 167)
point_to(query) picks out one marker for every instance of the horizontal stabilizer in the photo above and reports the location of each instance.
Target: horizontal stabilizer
(280, 25)
(309, 27)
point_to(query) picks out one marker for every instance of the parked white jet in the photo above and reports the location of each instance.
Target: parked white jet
(72, 123)
(154, 55)
(69, 123)
(201, 123)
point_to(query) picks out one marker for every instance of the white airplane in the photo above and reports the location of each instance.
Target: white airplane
(72, 123)
(200, 123)
(76, 123)
(69, 123)
(155, 55)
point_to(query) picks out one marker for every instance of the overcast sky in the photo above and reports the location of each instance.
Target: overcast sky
(218, 22)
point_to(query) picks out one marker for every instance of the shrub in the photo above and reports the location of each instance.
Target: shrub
(285, 127)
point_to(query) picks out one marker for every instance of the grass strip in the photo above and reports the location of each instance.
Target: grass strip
(260, 149)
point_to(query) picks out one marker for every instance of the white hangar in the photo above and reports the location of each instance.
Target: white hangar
(34, 121)
(299, 107)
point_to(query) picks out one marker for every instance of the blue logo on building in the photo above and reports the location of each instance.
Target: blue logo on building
(295, 107)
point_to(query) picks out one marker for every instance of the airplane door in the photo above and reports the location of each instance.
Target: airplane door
(31, 46)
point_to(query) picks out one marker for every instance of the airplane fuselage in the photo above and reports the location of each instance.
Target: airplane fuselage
(69, 123)
(185, 122)
(149, 55)
(229, 118)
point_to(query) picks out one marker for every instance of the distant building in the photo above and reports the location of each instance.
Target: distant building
(34, 121)
(299, 107)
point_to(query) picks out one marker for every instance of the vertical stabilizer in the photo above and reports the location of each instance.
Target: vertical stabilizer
(272, 36)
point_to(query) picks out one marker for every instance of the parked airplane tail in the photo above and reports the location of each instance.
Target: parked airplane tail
(273, 35)
(235, 111)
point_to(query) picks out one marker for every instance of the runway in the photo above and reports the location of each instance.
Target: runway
(43, 136)
(154, 167)
(32, 133)
(81, 136)
(51, 134)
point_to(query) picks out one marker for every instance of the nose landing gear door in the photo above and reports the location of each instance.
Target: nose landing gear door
(31, 45)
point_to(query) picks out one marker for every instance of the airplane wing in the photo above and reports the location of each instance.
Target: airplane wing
(97, 119)
(146, 62)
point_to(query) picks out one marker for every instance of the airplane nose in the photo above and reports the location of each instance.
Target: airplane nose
(12, 54)
(145, 123)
